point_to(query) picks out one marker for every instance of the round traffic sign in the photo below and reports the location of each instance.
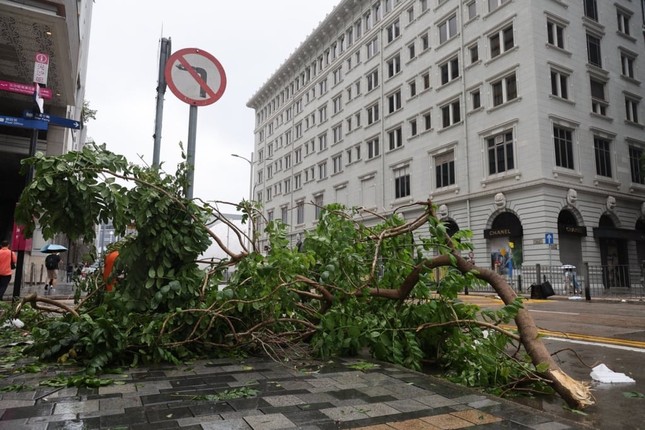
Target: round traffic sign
(195, 76)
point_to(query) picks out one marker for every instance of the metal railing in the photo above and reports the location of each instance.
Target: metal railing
(620, 282)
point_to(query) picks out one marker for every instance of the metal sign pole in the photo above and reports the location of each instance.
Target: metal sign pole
(190, 151)
(161, 90)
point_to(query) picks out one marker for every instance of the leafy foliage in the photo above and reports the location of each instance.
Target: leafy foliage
(352, 287)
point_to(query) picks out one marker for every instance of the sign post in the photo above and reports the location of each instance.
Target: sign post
(548, 239)
(196, 78)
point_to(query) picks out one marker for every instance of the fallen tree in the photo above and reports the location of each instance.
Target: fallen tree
(353, 285)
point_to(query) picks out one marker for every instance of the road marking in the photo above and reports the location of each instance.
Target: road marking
(597, 340)
(606, 345)
(554, 312)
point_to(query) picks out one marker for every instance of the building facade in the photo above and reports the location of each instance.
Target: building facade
(60, 30)
(521, 120)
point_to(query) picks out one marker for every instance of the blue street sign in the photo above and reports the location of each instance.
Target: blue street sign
(548, 238)
(13, 121)
(54, 120)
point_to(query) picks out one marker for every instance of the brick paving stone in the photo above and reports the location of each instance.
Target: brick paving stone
(269, 422)
(407, 405)
(170, 414)
(344, 413)
(76, 407)
(377, 427)
(233, 424)
(550, 426)
(477, 417)
(316, 397)
(436, 401)
(415, 424)
(27, 412)
(375, 391)
(377, 410)
(287, 400)
(447, 421)
(483, 403)
(9, 404)
(120, 388)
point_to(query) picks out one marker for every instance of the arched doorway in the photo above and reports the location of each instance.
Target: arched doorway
(569, 237)
(613, 253)
(505, 243)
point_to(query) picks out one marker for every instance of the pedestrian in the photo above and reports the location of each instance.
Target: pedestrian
(70, 272)
(7, 264)
(51, 264)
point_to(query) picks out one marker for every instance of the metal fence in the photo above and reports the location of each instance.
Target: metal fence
(605, 281)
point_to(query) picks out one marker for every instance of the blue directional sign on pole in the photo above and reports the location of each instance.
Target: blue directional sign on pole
(548, 238)
(12, 121)
(54, 120)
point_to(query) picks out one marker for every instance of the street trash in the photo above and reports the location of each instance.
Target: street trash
(602, 373)
(14, 322)
(575, 298)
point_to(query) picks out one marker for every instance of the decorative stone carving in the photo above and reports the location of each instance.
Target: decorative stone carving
(500, 200)
(572, 197)
(442, 211)
(611, 203)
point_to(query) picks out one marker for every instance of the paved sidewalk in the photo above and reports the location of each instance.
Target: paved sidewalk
(324, 396)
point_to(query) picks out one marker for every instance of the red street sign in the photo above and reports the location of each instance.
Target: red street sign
(41, 66)
(195, 76)
(18, 240)
(27, 89)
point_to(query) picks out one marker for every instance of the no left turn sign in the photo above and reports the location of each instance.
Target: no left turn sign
(195, 76)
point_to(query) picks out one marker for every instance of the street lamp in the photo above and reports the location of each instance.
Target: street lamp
(250, 191)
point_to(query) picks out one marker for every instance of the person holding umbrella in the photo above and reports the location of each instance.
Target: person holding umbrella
(51, 263)
(7, 264)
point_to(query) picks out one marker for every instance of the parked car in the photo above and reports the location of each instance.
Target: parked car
(88, 270)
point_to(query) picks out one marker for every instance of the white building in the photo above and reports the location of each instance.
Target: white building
(522, 120)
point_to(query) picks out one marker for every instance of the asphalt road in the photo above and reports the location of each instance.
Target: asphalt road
(582, 335)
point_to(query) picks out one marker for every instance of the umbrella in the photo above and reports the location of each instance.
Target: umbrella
(51, 248)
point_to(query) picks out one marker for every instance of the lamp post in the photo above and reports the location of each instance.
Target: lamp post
(250, 191)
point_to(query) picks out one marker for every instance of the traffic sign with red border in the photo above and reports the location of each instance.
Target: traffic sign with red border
(195, 76)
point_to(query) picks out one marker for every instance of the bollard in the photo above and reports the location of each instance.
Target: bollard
(587, 282)
(519, 283)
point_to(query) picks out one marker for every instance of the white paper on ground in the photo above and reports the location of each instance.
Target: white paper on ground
(605, 375)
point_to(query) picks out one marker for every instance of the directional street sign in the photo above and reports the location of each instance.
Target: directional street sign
(54, 120)
(195, 76)
(26, 89)
(12, 121)
(548, 238)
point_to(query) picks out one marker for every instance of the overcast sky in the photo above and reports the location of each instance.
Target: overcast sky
(250, 38)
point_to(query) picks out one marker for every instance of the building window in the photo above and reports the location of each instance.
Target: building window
(372, 80)
(413, 127)
(504, 90)
(322, 142)
(393, 31)
(563, 141)
(475, 99)
(424, 5)
(372, 48)
(337, 104)
(372, 114)
(555, 34)
(402, 182)
(501, 41)
(297, 181)
(300, 212)
(448, 29)
(393, 66)
(412, 86)
(635, 161)
(322, 86)
(270, 216)
(627, 65)
(337, 75)
(427, 121)
(395, 138)
(426, 80)
(322, 114)
(411, 14)
(591, 9)
(298, 155)
(631, 110)
(473, 50)
(412, 53)
(500, 153)
(284, 214)
(337, 162)
(445, 169)
(373, 148)
(425, 42)
(559, 84)
(337, 133)
(394, 101)
(449, 70)
(322, 170)
(623, 21)
(494, 4)
(318, 202)
(602, 152)
(593, 50)
(450, 113)
(472, 10)
(598, 101)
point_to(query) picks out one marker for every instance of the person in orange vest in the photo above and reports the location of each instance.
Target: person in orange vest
(7, 264)
(108, 278)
